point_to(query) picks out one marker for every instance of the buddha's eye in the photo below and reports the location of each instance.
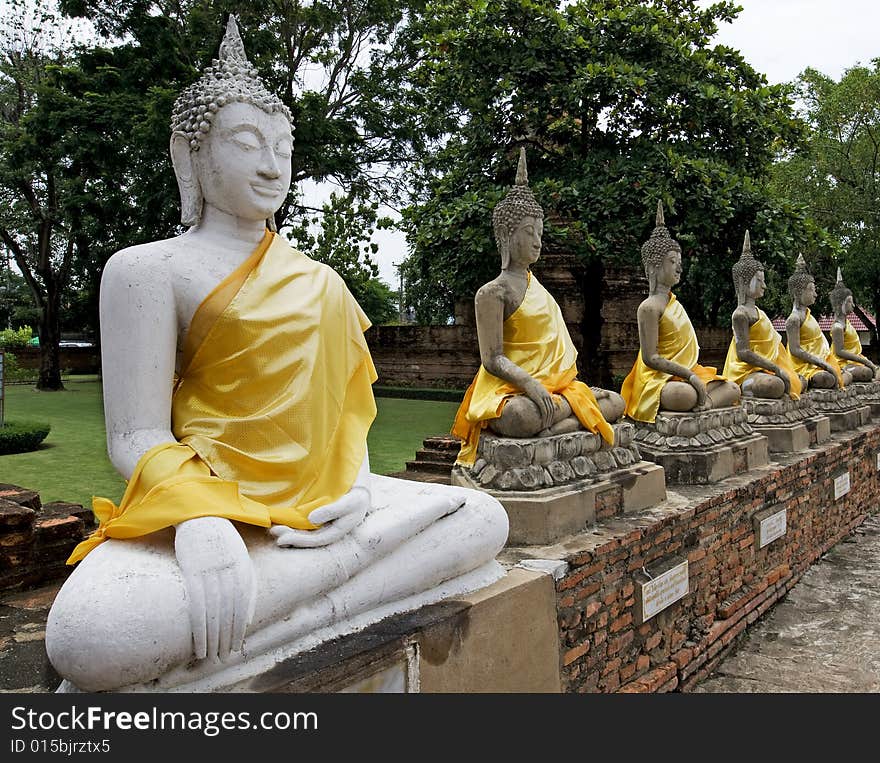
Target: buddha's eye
(284, 148)
(246, 140)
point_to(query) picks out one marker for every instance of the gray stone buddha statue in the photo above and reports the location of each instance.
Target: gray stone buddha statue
(845, 340)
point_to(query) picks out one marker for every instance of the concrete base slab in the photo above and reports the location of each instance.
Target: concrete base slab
(696, 467)
(844, 421)
(819, 428)
(785, 439)
(503, 638)
(539, 517)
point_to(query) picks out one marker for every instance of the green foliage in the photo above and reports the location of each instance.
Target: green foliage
(15, 339)
(835, 178)
(22, 436)
(618, 104)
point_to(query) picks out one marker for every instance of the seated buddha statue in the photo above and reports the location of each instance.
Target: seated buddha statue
(810, 353)
(757, 359)
(238, 398)
(666, 374)
(845, 342)
(526, 385)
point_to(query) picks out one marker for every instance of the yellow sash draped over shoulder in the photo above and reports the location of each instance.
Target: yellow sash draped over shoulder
(676, 341)
(814, 342)
(537, 340)
(272, 409)
(765, 341)
(851, 343)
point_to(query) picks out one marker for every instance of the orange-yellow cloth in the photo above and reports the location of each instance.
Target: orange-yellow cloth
(676, 341)
(537, 340)
(851, 343)
(814, 342)
(271, 411)
(765, 341)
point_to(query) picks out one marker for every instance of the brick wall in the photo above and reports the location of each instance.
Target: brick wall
(36, 539)
(731, 583)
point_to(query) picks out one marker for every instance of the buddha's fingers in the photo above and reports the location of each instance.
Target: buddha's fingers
(212, 615)
(243, 611)
(196, 592)
(288, 537)
(225, 614)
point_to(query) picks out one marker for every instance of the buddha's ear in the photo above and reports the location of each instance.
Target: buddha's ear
(187, 180)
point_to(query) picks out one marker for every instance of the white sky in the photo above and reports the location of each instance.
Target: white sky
(780, 38)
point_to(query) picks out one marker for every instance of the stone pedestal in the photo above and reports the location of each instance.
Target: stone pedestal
(868, 394)
(842, 406)
(700, 448)
(789, 425)
(560, 485)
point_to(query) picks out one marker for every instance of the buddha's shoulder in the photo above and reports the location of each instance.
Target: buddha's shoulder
(150, 261)
(653, 306)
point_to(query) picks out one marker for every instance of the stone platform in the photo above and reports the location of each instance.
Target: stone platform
(560, 485)
(843, 407)
(789, 425)
(701, 448)
(868, 394)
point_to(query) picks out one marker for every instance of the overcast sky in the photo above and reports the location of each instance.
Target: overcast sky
(780, 38)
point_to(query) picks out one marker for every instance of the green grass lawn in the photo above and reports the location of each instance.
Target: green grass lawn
(72, 463)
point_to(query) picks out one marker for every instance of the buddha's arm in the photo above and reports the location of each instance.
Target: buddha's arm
(793, 334)
(744, 349)
(489, 307)
(138, 346)
(837, 342)
(138, 340)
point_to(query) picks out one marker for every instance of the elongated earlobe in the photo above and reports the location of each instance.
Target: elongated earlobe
(187, 183)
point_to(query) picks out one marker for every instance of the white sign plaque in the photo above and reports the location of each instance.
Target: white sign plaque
(665, 589)
(841, 485)
(878, 462)
(772, 527)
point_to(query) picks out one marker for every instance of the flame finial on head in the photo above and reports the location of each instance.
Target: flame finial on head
(839, 293)
(800, 279)
(659, 243)
(746, 267)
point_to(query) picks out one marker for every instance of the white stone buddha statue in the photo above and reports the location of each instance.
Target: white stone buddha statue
(237, 395)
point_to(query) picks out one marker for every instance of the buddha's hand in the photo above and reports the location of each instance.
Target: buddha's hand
(703, 403)
(538, 394)
(220, 585)
(785, 380)
(830, 369)
(336, 519)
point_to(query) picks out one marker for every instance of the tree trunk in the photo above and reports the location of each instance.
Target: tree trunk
(50, 335)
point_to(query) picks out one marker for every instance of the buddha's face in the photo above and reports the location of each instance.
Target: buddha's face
(525, 241)
(757, 285)
(669, 272)
(243, 166)
(808, 294)
(848, 305)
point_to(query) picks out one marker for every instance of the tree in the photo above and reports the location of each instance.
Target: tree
(835, 176)
(619, 104)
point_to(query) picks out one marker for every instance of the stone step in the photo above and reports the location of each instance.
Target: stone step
(431, 454)
(419, 476)
(446, 442)
(432, 467)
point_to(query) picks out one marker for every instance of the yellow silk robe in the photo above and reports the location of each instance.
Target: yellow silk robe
(676, 341)
(271, 410)
(766, 342)
(537, 340)
(814, 342)
(851, 343)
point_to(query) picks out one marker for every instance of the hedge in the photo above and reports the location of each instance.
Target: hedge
(22, 436)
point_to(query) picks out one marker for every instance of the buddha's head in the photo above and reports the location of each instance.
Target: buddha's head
(748, 274)
(841, 297)
(231, 140)
(661, 255)
(518, 221)
(801, 285)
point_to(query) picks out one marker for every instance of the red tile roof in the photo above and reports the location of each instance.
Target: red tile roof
(825, 322)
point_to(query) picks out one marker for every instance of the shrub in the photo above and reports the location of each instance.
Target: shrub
(16, 339)
(22, 436)
(14, 372)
